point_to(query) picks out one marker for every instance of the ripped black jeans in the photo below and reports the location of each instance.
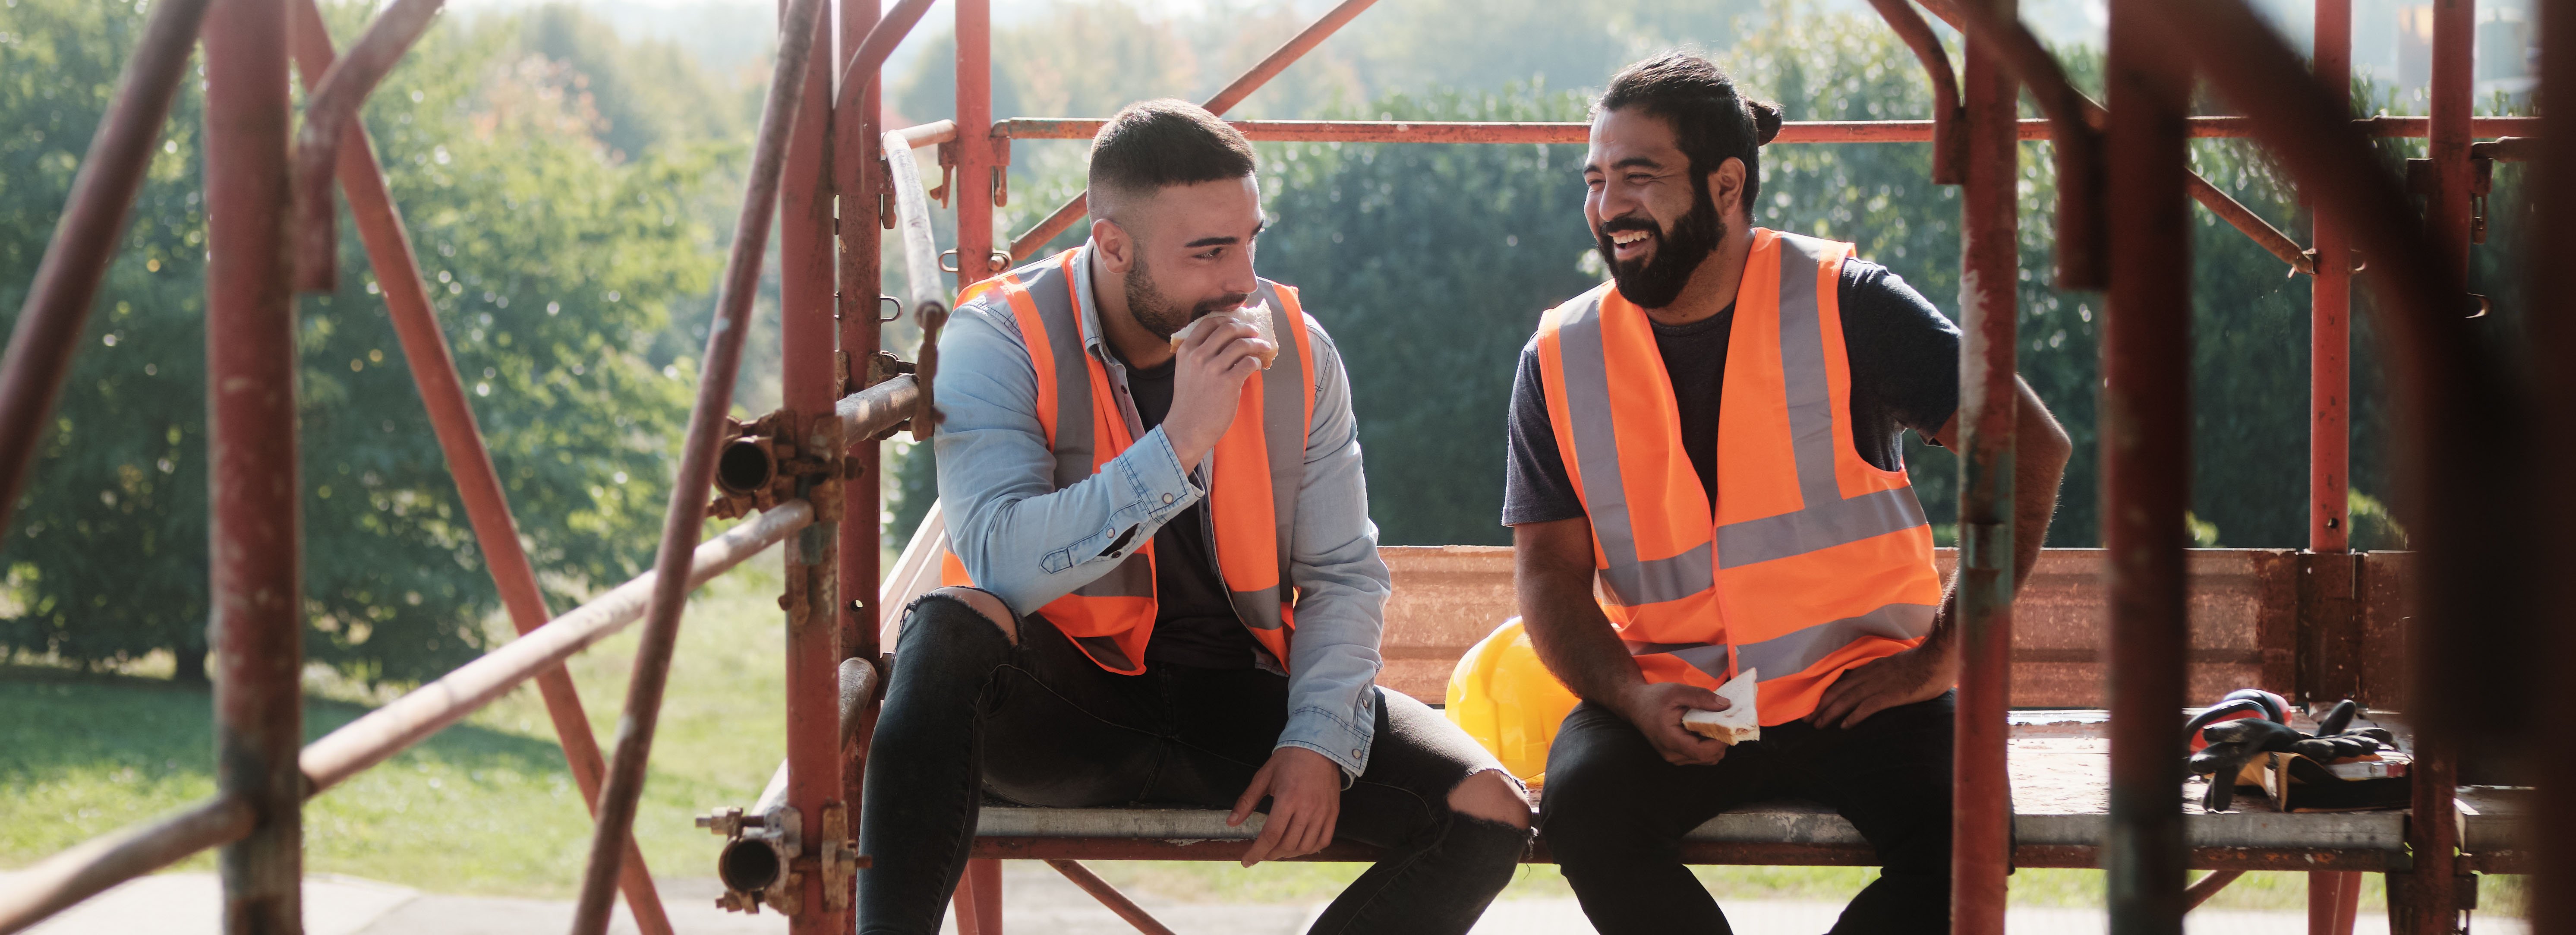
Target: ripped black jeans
(967, 713)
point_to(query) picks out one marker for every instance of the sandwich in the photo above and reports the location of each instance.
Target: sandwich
(1738, 723)
(1256, 314)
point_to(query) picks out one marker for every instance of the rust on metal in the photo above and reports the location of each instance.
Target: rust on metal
(39, 355)
(809, 386)
(460, 439)
(256, 578)
(2207, 886)
(330, 110)
(2146, 463)
(1109, 896)
(1982, 591)
(1027, 244)
(1949, 150)
(1795, 131)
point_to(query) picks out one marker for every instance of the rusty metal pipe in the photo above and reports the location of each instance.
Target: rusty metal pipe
(1990, 308)
(688, 505)
(2552, 325)
(2246, 222)
(1027, 244)
(256, 556)
(879, 409)
(329, 111)
(426, 710)
(977, 185)
(887, 33)
(2207, 886)
(2081, 236)
(2146, 455)
(1949, 150)
(39, 354)
(1109, 896)
(861, 186)
(460, 440)
(65, 879)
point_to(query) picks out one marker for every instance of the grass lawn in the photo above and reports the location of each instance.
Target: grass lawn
(487, 807)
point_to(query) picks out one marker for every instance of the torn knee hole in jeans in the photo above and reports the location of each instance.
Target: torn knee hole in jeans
(1506, 802)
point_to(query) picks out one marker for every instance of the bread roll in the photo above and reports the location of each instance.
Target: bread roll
(1257, 315)
(1738, 723)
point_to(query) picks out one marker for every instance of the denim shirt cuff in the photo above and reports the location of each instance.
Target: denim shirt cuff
(1154, 472)
(1341, 741)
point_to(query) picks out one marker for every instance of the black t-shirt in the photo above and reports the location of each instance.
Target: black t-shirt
(1904, 375)
(1194, 623)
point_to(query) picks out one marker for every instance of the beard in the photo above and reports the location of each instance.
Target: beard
(1657, 280)
(1160, 313)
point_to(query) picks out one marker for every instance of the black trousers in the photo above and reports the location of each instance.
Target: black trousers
(1614, 812)
(969, 714)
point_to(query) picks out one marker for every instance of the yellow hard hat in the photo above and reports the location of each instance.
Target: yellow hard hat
(1504, 697)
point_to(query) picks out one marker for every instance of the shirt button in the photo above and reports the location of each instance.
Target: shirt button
(1167, 498)
(1355, 753)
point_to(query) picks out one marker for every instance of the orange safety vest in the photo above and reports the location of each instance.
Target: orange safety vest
(1254, 472)
(1811, 561)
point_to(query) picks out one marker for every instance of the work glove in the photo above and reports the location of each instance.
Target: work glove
(2232, 744)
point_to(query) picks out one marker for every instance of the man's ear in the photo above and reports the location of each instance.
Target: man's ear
(1726, 188)
(1116, 248)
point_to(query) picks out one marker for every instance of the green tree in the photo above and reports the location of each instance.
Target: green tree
(553, 266)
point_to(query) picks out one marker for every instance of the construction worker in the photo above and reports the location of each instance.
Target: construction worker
(1713, 437)
(1165, 585)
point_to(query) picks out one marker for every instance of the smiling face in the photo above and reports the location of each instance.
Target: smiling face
(1185, 251)
(1655, 221)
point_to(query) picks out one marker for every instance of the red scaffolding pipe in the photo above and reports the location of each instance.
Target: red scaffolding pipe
(976, 168)
(2553, 329)
(858, 185)
(1989, 309)
(39, 354)
(257, 558)
(460, 440)
(2333, 896)
(2146, 455)
(808, 388)
(688, 505)
(331, 108)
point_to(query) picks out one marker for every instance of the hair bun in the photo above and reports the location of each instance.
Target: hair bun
(1766, 121)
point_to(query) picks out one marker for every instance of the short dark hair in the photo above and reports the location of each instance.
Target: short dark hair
(1710, 119)
(1155, 144)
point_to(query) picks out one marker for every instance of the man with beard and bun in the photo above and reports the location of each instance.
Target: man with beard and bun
(1705, 480)
(1164, 588)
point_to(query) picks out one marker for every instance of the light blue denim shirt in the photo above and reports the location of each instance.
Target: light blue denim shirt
(1030, 543)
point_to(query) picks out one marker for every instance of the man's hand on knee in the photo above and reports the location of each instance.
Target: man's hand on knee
(1489, 796)
(984, 603)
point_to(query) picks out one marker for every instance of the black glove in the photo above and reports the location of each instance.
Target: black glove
(2233, 744)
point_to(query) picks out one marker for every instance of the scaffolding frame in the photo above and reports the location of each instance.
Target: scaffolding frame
(820, 156)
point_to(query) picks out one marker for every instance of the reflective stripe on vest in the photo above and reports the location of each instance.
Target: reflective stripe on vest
(1810, 560)
(1255, 470)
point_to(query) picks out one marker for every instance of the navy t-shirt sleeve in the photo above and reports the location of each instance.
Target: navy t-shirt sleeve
(1904, 358)
(1536, 487)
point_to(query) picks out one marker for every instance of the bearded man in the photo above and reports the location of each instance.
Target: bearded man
(1164, 585)
(1706, 481)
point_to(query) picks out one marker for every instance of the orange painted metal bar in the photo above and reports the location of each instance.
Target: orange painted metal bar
(2146, 465)
(977, 171)
(330, 109)
(1109, 896)
(687, 511)
(39, 355)
(2081, 235)
(460, 440)
(1027, 244)
(256, 557)
(1989, 307)
(809, 385)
